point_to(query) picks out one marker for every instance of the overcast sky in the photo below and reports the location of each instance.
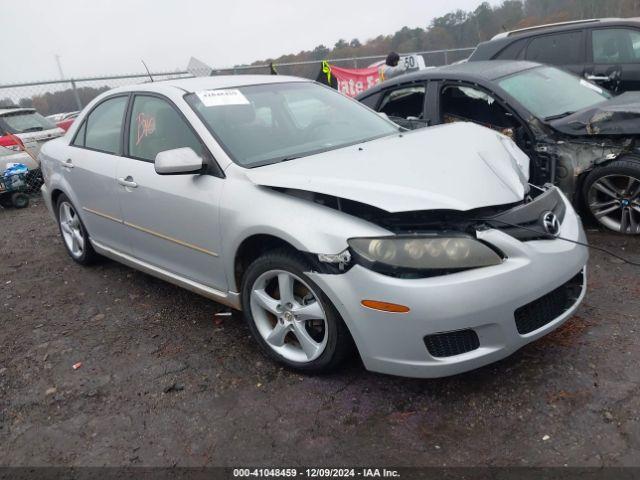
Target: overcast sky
(104, 37)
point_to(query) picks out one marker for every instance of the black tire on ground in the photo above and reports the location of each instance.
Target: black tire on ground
(88, 256)
(339, 342)
(20, 200)
(627, 166)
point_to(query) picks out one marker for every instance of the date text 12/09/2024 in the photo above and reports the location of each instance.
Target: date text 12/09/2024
(315, 473)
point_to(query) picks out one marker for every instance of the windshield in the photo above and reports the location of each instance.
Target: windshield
(263, 124)
(24, 122)
(549, 93)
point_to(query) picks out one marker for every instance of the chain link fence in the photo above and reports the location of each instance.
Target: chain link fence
(56, 96)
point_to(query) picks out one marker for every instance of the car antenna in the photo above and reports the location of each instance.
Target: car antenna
(147, 68)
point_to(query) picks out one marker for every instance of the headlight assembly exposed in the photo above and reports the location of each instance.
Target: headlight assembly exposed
(433, 254)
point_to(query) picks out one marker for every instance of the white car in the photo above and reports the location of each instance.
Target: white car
(324, 222)
(30, 128)
(28, 125)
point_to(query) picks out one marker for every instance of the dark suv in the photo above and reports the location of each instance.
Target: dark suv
(605, 51)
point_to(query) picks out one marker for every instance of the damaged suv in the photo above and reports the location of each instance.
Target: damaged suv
(577, 134)
(322, 221)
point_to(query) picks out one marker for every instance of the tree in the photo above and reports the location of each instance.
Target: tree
(320, 52)
(341, 44)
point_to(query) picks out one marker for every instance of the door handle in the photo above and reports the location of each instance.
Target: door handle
(597, 78)
(68, 163)
(127, 182)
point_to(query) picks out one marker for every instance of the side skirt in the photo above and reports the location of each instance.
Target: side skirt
(231, 299)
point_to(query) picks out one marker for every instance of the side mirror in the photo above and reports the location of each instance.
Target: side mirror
(178, 161)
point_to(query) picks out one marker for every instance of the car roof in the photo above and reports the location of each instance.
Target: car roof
(561, 26)
(489, 49)
(197, 84)
(468, 71)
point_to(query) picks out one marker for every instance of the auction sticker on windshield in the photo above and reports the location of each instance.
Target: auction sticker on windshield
(227, 96)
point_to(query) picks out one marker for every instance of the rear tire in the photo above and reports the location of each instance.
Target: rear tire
(74, 234)
(611, 195)
(299, 328)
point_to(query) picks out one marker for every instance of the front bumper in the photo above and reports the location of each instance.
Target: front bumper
(483, 300)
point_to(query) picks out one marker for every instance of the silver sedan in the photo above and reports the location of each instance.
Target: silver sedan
(325, 223)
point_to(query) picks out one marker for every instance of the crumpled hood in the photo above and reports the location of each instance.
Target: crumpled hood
(618, 116)
(458, 166)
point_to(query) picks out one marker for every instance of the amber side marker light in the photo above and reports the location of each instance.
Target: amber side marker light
(385, 306)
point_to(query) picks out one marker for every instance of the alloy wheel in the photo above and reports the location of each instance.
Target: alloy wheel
(71, 229)
(289, 316)
(614, 200)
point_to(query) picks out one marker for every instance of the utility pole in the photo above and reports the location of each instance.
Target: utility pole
(59, 66)
(73, 83)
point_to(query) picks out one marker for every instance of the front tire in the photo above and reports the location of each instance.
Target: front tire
(612, 195)
(290, 317)
(74, 234)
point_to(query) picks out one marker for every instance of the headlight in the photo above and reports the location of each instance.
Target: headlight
(426, 253)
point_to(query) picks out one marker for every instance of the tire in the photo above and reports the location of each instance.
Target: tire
(20, 200)
(611, 195)
(74, 234)
(326, 341)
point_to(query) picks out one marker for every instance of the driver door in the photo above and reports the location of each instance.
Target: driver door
(615, 55)
(172, 220)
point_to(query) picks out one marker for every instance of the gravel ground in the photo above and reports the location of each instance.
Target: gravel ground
(164, 382)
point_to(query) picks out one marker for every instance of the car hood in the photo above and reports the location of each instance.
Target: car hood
(458, 166)
(618, 116)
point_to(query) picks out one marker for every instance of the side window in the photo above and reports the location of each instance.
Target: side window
(558, 49)
(468, 104)
(80, 136)
(615, 45)
(155, 127)
(102, 128)
(405, 102)
(372, 100)
(513, 51)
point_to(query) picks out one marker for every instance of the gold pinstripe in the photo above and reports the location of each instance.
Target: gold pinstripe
(152, 232)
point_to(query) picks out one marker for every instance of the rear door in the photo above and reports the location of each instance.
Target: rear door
(614, 58)
(90, 166)
(172, 220)
(564, 49)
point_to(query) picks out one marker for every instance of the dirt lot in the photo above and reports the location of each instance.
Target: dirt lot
(164, 383)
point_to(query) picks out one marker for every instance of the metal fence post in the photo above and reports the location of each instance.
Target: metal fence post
(76, 95)
(446, 58)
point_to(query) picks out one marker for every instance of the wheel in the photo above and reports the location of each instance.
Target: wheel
(20, 200)
(74, 234)
(612, 195)
(290, 317)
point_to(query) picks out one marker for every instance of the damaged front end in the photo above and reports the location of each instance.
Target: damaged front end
(562, 158)
(522, 220)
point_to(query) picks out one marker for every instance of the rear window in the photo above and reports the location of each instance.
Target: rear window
(25, 122)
